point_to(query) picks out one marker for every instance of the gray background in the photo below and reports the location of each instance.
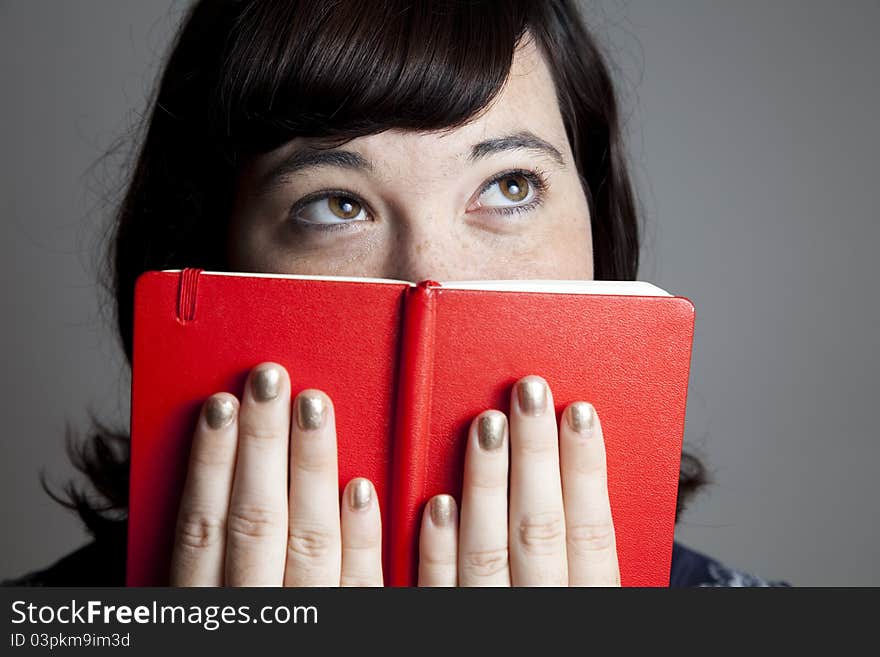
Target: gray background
(753, 135)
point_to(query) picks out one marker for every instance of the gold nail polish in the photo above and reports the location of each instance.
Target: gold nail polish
(490, 431)
(580, 417)
(360, 493)
(532, 396)
(442, 510)
(310, 411)
(266, 384)
(219, 412)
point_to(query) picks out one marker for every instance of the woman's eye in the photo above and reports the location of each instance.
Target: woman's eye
(508, 191)
(331, 209)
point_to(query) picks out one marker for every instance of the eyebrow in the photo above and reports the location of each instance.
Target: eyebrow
(523, 140)
(298, 161)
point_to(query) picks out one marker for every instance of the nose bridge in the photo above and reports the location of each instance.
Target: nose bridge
(421, 249)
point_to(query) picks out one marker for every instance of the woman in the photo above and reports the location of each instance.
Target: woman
(405, 140)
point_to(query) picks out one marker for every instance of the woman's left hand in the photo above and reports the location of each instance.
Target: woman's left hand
(558, 529)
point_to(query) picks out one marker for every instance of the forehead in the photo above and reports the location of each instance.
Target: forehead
(528, 97)
(526, 102)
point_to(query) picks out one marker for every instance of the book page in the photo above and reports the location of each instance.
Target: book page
(625, 288)
(341, 279)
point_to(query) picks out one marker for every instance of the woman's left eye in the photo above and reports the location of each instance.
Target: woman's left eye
(514, 191)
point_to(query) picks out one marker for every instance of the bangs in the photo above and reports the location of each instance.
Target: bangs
(346, 69)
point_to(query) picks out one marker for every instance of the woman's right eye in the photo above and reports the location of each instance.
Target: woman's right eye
(329, 209)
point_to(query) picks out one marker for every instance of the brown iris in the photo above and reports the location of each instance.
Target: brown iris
(514, 187)
(344, 207)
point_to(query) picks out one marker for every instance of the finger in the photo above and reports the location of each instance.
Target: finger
(537, 522)
(361, 535)
(314, 554)
(438, 542)
(200, 537)
(482, 554)
(256, 528)
(589, 528)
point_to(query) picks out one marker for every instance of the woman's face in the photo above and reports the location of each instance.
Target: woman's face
(498, 198)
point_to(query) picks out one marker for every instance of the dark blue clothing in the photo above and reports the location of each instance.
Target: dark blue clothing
(690, 568)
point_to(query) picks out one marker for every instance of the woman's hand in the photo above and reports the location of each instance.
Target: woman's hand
(558, 530)
(241, 525)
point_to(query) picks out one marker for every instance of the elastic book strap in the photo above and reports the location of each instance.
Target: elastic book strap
(187, 294)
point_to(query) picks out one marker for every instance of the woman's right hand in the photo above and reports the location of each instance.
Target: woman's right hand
(240, 524)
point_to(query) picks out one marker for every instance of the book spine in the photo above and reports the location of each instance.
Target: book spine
(412, 426)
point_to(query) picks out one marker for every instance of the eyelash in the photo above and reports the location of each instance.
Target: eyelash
(537, 178)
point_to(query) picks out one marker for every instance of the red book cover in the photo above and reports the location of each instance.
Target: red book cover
(408, 367)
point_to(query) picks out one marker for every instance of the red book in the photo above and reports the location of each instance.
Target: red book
(408, 366)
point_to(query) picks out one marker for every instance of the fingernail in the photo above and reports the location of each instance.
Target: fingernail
(532, 396)
(360, 494)
(442, 510)
(219, 412)
(266, 383)
(310, 411)
(490, 431)
(580, 417)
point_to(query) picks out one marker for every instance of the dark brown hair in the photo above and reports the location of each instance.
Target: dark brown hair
(244, 77)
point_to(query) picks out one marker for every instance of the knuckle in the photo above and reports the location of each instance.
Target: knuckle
(198, 530)
(590, 538)
(210, 454)
(308, 543)
(258, 431)
(594, 468)
(317, 461)
(438, 559)
(541, 533)
(536, 444)
(488, 484)
(252, 522)
(485, 563)
(362, 541)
